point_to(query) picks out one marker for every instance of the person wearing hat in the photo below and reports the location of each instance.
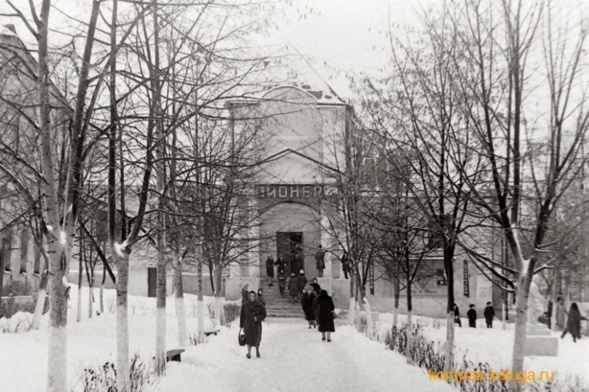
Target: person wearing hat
(320, 260)
(307, 303)
(250, 320)
(261, 296)
(489, 314)
(324, 308)
(302, 281)
(293, 287)
(281, 281)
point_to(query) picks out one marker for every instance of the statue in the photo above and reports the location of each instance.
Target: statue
(535, 307)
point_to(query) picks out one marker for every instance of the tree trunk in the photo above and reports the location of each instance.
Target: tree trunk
(180, 307)
(449, 347)
(352, 309)
(219, 299)
(123, 364)
(409, 320)
(90, 298)
(409, 336)
(102, 289)
(200, 307)
(160, 326)
(40, 305)
(521, 319)
(80, 277)
(504, 312)
(57, 353)
(396, 287)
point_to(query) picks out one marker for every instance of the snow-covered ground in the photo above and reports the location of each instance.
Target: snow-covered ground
(495, 346)
(293, 357)
(91, 342)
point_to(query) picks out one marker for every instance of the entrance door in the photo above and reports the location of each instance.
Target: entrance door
(289, 246)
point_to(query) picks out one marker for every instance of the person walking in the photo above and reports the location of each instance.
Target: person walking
(307, 304)
(270, 270)
(280, 264)
(573, 322)
(320, 260)
(457, 315)
(324, 314)
(472, 316)
(489, 314)
(302, 280)
(281, 281)
(293, 287)
(250, 320)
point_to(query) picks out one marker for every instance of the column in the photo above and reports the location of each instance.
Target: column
(326, 242)
(254, 237)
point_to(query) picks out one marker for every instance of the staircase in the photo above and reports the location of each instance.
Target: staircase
(277, 306)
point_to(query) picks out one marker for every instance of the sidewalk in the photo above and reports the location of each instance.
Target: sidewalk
(294, 359)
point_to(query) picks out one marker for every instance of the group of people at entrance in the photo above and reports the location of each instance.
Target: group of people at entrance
(319, 310)
(295, 265)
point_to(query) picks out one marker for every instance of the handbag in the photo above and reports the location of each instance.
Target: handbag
(334, 314)
(241, 337)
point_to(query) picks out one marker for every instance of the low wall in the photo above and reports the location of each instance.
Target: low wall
(19, 303)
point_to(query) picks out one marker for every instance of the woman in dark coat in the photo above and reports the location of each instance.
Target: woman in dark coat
(307, 303)
(252, 315)
(302, 281)
(281, 281)
(324, 314)
(293, 287)
(574, 322)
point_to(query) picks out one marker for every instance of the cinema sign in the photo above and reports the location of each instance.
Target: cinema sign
(290, 191)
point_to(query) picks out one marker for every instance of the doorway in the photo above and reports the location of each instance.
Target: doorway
(289, 246)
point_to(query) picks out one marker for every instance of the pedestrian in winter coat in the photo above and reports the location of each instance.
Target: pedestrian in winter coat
(574, 322)
(261, 297)
(281, 281)
(472, 316)
(307, 303)
(457, 316)
(489, 314)
(320, 260)
(324, 308)
(293, 287)
(281, 264)
(302, 281)
(250, 320)
(560, 314)
(270, 270)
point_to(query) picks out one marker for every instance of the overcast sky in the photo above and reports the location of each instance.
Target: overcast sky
(338, 35)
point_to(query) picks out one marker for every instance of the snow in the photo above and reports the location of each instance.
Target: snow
(292, 355)
(495, 346)
(294, 358)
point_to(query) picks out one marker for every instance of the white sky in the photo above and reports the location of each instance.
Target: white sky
(340, 36)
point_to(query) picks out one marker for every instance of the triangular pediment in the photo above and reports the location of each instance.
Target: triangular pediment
(292, 167)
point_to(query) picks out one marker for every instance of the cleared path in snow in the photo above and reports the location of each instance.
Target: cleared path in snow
(295, 359)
